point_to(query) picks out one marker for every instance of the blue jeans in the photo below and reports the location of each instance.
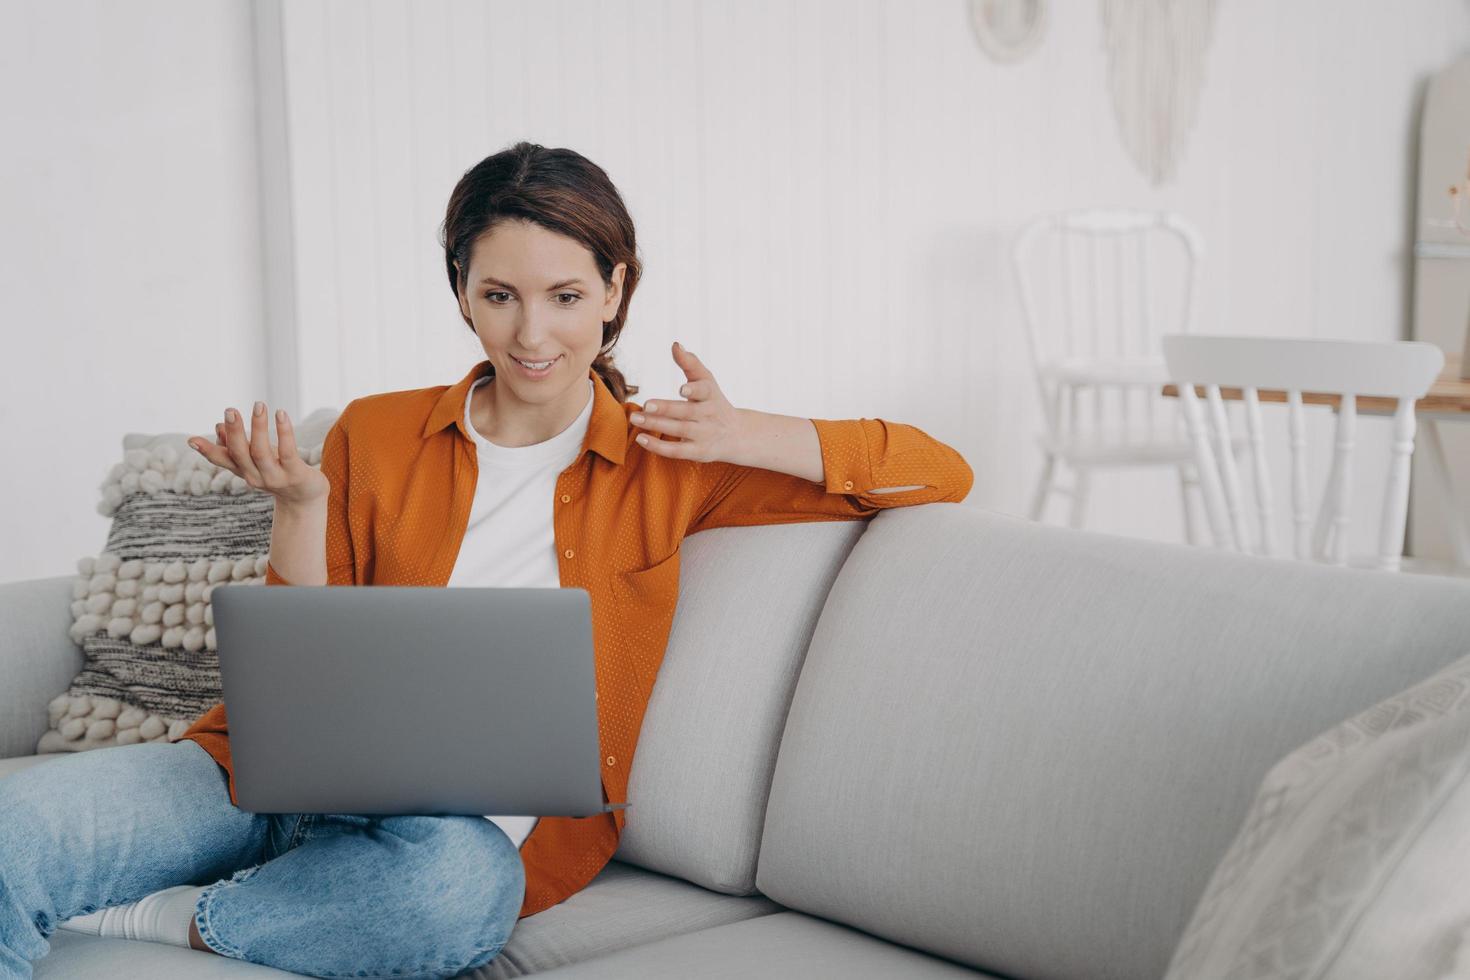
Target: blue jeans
(326, 895)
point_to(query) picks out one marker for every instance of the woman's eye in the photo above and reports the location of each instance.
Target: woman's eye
(490, 296)
(574, 296)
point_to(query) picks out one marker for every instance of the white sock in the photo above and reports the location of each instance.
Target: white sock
(162, 917)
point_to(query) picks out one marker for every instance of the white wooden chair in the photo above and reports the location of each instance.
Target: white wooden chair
(1098, 288)
(1403, 370)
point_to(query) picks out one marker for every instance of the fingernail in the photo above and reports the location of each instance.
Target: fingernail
(259, 407)
(650, 407)
(280, 415)
(229, 415)
(684, 391)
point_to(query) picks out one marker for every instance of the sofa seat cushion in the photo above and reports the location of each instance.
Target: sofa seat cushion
(774, 947)
(622, 907)
(78, 956)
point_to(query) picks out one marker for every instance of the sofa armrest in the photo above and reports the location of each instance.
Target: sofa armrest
(38, 658)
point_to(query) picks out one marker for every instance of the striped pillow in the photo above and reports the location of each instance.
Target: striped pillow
(141, 609)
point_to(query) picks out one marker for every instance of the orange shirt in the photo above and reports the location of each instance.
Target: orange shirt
(402, 468)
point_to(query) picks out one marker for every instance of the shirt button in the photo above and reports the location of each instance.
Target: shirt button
(609, 760)
(566, 497)
(847, 484)
(568, 552)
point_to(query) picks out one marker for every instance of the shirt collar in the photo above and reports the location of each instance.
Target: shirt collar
(607, 429)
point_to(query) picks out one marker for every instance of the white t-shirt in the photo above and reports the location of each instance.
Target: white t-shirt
(510, 540)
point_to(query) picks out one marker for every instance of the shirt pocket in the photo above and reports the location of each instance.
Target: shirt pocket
(646, 599)
(652, 584)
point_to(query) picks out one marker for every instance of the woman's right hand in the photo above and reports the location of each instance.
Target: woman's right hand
(278, 470)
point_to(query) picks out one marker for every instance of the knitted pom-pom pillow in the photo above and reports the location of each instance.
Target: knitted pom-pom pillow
(141, 609)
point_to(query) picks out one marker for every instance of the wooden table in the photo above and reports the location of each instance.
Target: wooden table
(1447, 400)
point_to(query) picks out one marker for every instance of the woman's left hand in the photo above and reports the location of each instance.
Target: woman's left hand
(708, 428)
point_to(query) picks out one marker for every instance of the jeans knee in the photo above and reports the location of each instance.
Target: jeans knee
(478, 879)
(419, 896)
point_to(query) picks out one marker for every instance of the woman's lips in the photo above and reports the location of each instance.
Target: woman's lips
(536, 375)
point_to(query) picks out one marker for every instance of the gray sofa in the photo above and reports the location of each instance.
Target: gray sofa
(942, 742)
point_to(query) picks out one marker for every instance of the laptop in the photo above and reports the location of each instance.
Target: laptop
(409, 699)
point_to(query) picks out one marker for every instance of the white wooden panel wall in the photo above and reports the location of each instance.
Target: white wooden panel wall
(129, 249)
(825, 190)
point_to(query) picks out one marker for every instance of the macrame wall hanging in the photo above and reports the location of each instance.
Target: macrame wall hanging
(1156, 62)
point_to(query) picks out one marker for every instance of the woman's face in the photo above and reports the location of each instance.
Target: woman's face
(534, 294)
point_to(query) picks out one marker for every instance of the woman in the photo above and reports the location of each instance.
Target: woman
(448, 486)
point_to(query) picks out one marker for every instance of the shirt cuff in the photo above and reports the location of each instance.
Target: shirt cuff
(846, 465)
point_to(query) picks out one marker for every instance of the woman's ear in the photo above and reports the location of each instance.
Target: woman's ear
(464, 303)
(615, 291)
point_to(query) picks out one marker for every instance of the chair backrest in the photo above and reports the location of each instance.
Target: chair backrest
(1098, 288)
(1333, 372)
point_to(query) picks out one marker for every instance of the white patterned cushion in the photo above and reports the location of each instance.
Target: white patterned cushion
(1353, 860)
(141, 608)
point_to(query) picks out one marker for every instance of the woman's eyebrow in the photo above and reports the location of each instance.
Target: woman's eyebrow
(492, 281)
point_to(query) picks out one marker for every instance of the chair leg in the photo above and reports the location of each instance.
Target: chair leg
(1188, 480)
(1079, 495)
(1043, 487)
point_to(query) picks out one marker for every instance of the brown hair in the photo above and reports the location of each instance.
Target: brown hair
(564, 192)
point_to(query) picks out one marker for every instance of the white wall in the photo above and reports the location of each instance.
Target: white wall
(129, 249)
(833, 178)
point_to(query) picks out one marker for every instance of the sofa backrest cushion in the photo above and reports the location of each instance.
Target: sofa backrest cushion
(749, 598)
(1026, 747)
